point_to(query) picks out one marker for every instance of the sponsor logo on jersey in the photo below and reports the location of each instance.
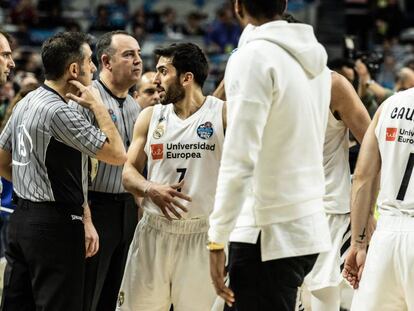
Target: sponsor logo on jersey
(205, 131)
(391, 134)
(188, 151)
(112, 114)
(157, 151)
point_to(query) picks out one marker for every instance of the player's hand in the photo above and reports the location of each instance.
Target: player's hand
(91, 238)
(354, 265)
(218, 274)
(87, 96)
(166, 198)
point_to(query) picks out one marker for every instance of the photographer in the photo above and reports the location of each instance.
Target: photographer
(368, 87)
(357, 73)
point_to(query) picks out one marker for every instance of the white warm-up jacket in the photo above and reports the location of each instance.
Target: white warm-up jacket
(278, 93)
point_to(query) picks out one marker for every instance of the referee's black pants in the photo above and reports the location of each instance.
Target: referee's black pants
(45, 256)
(268, 285)
(115, 217)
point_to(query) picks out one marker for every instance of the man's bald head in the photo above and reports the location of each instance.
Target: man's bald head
(147, 94)
(405, 79)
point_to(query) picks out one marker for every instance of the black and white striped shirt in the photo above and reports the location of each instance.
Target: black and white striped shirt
(47, 139)
(124, 112)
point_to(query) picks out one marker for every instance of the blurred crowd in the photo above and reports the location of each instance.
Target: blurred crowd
(376, 26)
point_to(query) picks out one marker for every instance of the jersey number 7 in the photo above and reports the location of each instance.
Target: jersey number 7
(182, 172)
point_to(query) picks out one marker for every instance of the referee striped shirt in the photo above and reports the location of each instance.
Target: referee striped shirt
(47, 139)
(124, 113)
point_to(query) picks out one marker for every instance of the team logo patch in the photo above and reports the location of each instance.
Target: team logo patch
(121, 298)
(391, 134)
(157, 151)
(205, 131)
(159, 131)
(112, 114)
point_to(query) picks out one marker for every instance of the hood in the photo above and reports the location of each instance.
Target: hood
(297, 39)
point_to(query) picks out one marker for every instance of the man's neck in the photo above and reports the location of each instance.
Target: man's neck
(116, 89)
(259, 21)
(189, 104)
(61, 87)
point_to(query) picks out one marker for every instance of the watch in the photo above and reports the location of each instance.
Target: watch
(213, 246)
(369, 82)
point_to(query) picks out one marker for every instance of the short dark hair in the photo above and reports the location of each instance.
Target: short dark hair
(337, 63)
(6, 35)
(103, 45)
(187, 57)
(264, 8)
(61, 50)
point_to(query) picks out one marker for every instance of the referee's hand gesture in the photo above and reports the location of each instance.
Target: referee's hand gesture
(87, 96)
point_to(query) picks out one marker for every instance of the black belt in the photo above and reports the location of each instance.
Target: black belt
(118, 197)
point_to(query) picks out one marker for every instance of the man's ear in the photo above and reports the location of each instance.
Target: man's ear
(238, 9)
(187, 78)
(74, 71)
(105, 61)
(135, 95)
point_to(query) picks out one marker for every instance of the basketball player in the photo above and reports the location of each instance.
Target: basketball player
(269, 201)
(182, 141)
(347, 112)
(385, 276)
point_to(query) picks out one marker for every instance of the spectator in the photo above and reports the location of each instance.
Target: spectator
(170, 26)
(193, 26)
(389, 20)
(24, 12)
(118, 13)
(101, 21)
(224, 33)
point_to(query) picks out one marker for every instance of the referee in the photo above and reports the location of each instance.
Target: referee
(47, 142)
(113, 210)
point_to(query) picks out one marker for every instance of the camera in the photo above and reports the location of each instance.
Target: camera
(372, 60)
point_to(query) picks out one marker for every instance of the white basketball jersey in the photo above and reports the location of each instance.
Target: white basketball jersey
(187, 149)
(336, 166)
(395, 134)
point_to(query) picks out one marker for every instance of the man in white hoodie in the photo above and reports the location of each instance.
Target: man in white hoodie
(269, 199)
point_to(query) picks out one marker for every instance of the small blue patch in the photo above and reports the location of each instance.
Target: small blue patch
(205, 131)
(112, 114)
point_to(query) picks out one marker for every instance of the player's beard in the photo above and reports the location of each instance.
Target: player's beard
(174, 94)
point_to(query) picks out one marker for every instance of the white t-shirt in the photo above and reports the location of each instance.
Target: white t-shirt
(187, 149)
(395, 134)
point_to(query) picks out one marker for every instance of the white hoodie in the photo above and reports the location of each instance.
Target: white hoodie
(278, 92)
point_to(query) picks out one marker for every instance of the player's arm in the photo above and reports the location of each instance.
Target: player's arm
(364, 189)
(164, 196)
(132, 177)
(220, 91)
(346, 104)
(363, 196)
(6, 164)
